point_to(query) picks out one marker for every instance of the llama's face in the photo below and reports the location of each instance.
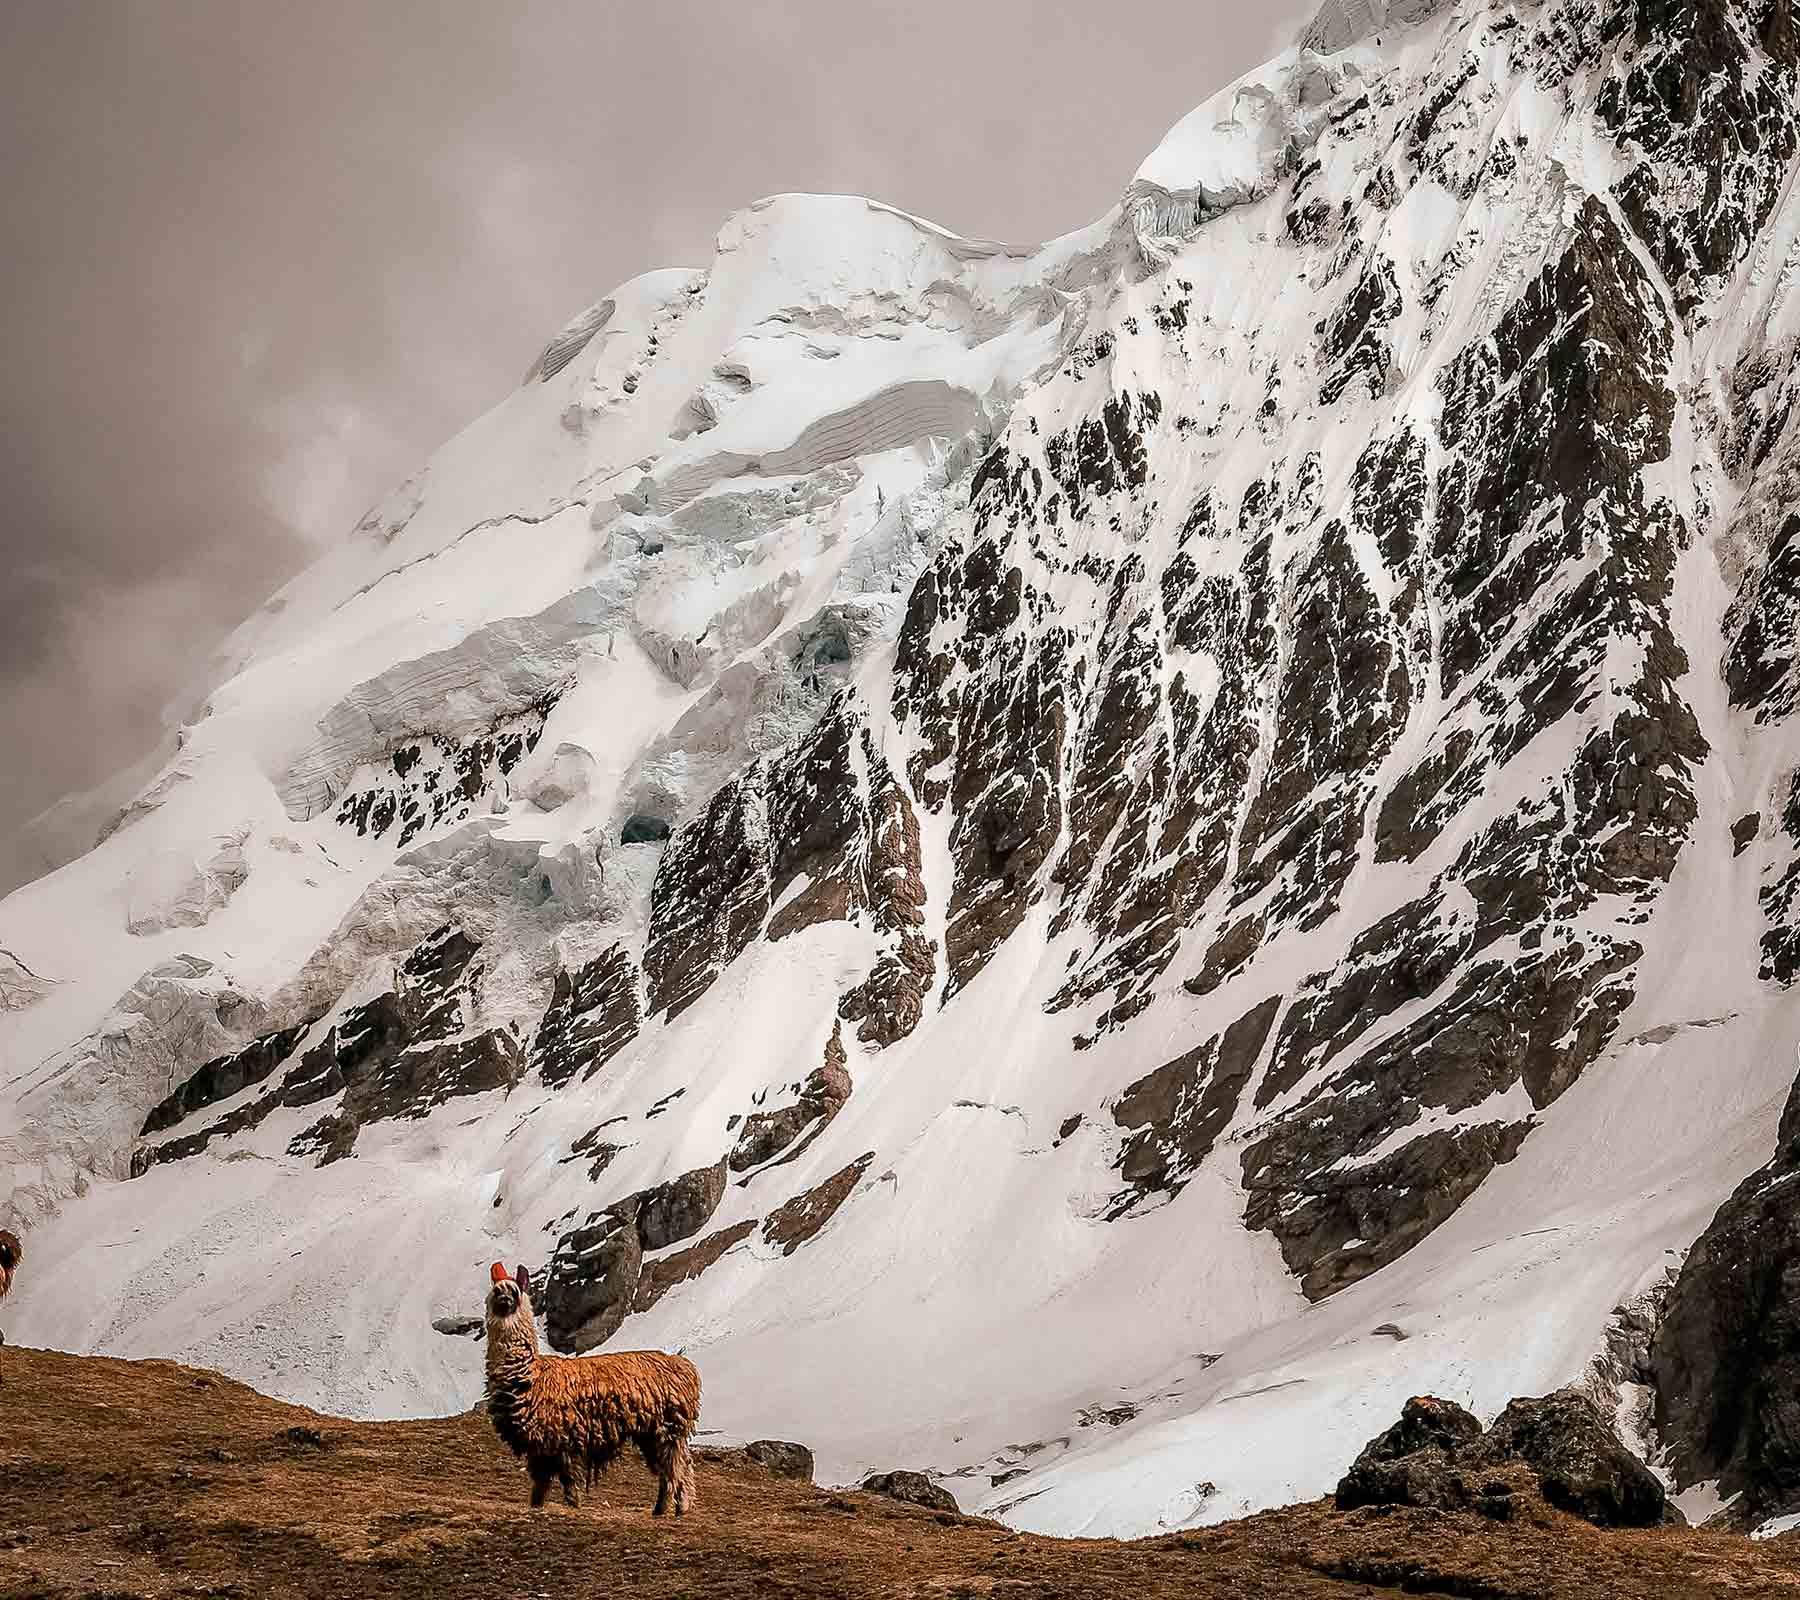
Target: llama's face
(507, 1293)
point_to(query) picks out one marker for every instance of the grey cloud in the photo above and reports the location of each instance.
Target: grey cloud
(262, 258)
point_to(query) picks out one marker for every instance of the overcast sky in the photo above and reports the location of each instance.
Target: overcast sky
(262, 257)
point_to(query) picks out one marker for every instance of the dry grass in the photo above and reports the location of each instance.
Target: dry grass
(136, 1479)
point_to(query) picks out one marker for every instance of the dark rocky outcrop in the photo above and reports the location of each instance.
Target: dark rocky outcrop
(767, 1134)
(914, 1488)
(1744, 832)
(434, 781)
(1726, 1356)
(800, 1219)
(401, 1054)
(1579, 1460)
(590, 1283)
(822, 832)
(889, 1003)
(1314, 1178)
(680, 1208)
(1414, 1463)
(598, 1152)
(1175, 1113)
(662, 1274)
(1708, 93)
(1546, 427)
(594, 1012)
(225, 1076)
(598, 1273)
(1437, 1455)
(458, 1327)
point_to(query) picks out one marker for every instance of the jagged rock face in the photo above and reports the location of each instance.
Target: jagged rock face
(594, 1013)
(1710, 94)
(433, 782)
(398, 1055)
(680, 1208)
(1724, 1357)
(1276, 707)
(222, 1078)
(1177, 1112)
(599, 1275)
(824, 834)
(803, 1218)
(1477, 588)
(606, 1270)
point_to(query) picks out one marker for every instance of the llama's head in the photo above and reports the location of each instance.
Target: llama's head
(508, 1295)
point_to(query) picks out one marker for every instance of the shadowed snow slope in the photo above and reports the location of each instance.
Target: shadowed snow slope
(1081, 867)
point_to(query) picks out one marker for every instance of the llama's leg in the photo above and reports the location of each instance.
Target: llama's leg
(541, 1473)
(684, 1478)
(662, 1463)
(566, 1477)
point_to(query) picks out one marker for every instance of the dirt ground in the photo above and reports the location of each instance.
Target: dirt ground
(121, 1480)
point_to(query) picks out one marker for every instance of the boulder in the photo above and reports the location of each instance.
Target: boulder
(783, 1459)
(457, 1327)
(913, 1487)
(1579, 1459)
(1414, 1463)
(1437, 1455)
(1425, 1422)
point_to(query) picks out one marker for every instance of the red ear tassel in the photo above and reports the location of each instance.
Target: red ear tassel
(499, 1273)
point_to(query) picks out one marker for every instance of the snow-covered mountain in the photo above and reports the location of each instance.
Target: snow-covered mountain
(1079, 866)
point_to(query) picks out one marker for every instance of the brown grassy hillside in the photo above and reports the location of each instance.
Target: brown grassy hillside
(135, 1479)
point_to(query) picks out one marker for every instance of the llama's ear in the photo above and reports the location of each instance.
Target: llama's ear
(523, 1279)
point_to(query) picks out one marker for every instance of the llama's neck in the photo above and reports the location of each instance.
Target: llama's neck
(511, 1346)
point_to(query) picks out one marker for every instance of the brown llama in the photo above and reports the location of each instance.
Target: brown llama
(12, 1252)
(569, 1414)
